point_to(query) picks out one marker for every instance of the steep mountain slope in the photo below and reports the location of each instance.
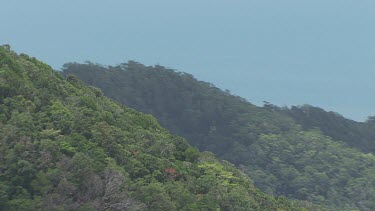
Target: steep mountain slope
(267, 143)
(193, 109)
(64, 146)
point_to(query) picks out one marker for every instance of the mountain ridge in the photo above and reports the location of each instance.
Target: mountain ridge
(282, 155)
(65, 146)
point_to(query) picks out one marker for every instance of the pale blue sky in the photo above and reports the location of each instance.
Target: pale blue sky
(288, 52)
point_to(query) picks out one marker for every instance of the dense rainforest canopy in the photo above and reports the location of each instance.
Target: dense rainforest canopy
(302, 153)
(360, 135)
(65, 146)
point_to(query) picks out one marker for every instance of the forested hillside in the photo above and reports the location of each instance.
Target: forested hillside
(360, 135)
(281, 153)
(64, 146)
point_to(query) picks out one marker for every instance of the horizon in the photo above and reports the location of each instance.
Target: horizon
(286, 53)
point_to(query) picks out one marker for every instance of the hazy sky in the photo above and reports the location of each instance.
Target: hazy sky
(289, 52)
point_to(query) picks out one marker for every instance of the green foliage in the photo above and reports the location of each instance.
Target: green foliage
(280, 148)
(327, 179)
(360, 135)
(63, 146)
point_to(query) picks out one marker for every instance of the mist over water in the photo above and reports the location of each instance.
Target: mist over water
(284, 52)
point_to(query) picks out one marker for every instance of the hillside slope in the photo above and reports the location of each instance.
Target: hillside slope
(279, 155)
(64, 146)
(360, 135)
